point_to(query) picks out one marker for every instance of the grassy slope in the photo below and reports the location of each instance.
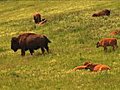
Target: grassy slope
(73, 33)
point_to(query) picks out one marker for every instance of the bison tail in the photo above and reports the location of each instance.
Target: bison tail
(47, 39)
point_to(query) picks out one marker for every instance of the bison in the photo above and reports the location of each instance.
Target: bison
(116, 32)
(79, 67)
(38, 20)
(31, 42)
(96, 67)
(107, 42)
(92, 67)
(105, 12)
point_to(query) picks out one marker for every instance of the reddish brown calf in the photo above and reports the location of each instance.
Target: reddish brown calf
(92, 67)
(97, 67)
(107, 42)
(116, 32)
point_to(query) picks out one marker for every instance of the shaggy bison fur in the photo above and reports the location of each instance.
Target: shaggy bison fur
(107, 42)
(102, 13)
(31, 42)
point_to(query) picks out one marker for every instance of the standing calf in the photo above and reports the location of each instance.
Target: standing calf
(107, 42)
(31, 42)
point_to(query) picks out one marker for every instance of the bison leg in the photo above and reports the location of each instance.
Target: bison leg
(116, 46)
(22, 52)
(42, 49)
(105, 48)
(113, 48)
(47, 48)
(31, 51)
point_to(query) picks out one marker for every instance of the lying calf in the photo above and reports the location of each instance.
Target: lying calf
(97, 67)
(92, 67)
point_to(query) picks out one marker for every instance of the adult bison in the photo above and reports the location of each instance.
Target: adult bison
(38, 20)
(104, 12)
(31, 42)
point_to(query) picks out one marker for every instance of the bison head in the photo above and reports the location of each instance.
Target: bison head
(90, 66)
(14, 44)
(94, 15)
(98, 45)
(37, 18)
(86, 63)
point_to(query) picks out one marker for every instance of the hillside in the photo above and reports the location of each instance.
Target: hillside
(74, 34)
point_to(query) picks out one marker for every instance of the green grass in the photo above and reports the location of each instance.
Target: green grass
(73, 33)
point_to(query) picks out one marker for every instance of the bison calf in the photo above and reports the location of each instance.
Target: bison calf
(31, 42)
(96, 67)
(102, 13)
(92, 67)
(107, 42)
(116, 32)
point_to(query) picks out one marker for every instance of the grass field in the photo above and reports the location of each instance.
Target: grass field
(73, 33)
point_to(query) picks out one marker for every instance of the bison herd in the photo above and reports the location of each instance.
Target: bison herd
(32, 41)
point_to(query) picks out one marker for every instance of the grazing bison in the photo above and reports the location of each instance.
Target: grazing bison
(102, 13)
(96, 67)
(31, 42)
(107, 42)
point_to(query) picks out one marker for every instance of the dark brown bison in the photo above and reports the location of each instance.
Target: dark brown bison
(102, 13)
(96, 67)
(107, 42)
(31, 42)
(84, 66)
(38, 20)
